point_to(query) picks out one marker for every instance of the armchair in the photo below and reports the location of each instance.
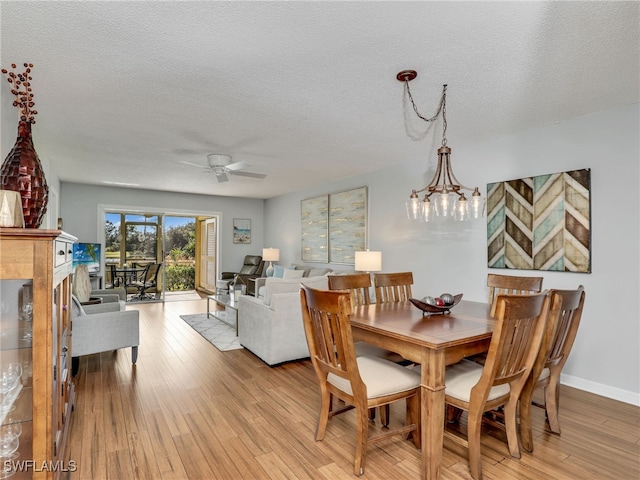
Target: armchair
(252, 267)
(102, 327)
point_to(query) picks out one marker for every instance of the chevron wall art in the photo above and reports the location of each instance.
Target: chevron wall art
(541, 223)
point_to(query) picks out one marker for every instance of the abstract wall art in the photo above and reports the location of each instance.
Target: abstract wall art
(541, 223)
(334, 226)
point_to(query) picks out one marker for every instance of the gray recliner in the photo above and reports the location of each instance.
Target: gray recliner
(252, 267)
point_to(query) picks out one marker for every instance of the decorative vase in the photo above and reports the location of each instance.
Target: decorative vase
(22, 172)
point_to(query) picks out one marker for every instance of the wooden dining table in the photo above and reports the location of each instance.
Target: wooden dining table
(434, 342)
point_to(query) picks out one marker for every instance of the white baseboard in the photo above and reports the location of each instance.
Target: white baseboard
(625, 396)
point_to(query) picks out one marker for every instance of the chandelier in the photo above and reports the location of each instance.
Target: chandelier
(443, 196)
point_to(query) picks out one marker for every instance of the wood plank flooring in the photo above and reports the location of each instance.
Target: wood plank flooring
(189, 411)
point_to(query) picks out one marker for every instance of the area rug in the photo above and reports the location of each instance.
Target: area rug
(221, 335)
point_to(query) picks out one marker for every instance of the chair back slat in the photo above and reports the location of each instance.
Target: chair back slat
(358, 285)
(393, 287)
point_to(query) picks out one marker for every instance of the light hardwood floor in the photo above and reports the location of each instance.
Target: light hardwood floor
(189, 411)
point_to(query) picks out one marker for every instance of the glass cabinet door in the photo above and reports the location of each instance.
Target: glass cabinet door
(16, 376)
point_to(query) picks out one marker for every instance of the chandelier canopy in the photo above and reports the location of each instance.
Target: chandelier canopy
(446, 191)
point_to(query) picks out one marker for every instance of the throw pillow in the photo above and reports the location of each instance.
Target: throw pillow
(304, 268)
(317, 272)
(288, 273)
(278, 271)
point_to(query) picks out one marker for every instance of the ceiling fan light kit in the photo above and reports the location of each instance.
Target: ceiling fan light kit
(221, 165)
(449, 202)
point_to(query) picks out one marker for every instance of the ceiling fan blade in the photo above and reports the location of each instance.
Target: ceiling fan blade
(222, 178)
(241, 173)
(237, 166)
(193, 164)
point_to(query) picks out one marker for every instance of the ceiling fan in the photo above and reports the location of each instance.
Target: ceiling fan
(221, 165)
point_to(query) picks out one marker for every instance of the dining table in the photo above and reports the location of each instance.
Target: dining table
(128, 275)
(432, 341)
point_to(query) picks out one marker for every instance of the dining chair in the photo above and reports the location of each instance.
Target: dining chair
(111, 278)
(358, 285)
(360, 382)
(564, 318)
(393, 287)
(511, 284)
(147, 283)
(474, 388)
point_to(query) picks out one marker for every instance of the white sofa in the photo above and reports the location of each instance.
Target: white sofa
(270, 326)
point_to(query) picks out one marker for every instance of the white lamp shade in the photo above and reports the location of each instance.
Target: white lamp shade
(270, 254)
(368, 261)
(11, 209)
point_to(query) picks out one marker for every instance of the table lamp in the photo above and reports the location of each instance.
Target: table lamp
(368, 261)
(270, 255)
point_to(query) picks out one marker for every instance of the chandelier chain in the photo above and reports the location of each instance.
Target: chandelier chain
(442, 108)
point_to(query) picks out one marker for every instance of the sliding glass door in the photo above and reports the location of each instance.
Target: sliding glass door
(185, 246)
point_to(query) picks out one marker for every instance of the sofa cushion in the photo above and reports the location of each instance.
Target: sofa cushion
(274, 286)
(288, 273)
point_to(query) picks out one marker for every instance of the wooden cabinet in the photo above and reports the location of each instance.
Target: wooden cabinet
(35, 263)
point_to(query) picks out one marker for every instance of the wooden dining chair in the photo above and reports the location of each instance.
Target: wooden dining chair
(564, 318)
(360, 382)
(358, 285)
(393, 287)
(474, 388)
(511, 284)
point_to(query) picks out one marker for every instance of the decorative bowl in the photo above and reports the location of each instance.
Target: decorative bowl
(432, 309)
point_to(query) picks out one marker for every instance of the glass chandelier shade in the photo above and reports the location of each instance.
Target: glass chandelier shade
(443, 197)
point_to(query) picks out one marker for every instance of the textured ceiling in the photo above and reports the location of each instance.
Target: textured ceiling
(303, 91)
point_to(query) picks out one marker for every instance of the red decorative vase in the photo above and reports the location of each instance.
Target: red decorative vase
(22, 172)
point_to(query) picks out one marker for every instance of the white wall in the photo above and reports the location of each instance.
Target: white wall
(79, 208)
(605, 358)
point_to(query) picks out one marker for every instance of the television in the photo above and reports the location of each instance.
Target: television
(87, 254)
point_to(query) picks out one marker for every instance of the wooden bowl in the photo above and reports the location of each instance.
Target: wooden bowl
(432, 309)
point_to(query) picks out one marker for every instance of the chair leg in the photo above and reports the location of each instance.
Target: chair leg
(474, 425)
(362, 435)
(511, 428)
(384, 415)
(413, 416)
(453, 414)
(525, 423)
(552, 400)
(134, 354)
(323, 419)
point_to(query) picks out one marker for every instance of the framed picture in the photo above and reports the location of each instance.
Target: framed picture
(334, 226)
(241, 230)
(541, 223)
(314, 220)
(347, 225)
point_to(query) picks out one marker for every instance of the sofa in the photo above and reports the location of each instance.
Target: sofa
(270, 325)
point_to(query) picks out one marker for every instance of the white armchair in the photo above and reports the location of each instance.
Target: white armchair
(103, 327)
(271, 326)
